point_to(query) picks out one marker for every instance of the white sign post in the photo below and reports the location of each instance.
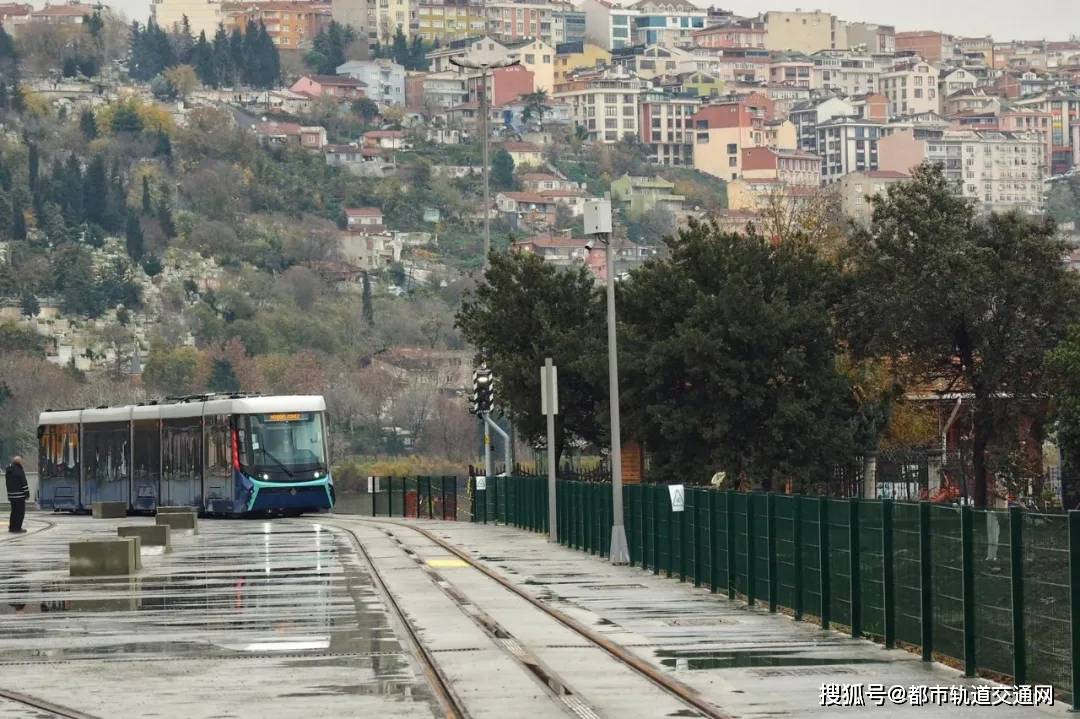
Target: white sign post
(481, 482)
(678, 497)
(549, 406)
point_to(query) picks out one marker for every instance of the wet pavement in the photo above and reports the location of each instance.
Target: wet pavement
(246, 618)
(746, 661)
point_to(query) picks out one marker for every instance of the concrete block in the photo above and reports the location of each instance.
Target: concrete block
(178, 521)
(175, 510)
(151, 535)
(110, 557)
(109, 510)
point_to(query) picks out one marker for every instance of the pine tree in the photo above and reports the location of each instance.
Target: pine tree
(147, 204)
(96, 192)
(133, 235)
(202, 59)
(72, 194)
(88, 123)
(417, 52)
(236, 57)
(32, 161)
(222, 60)
(368, 306)
(271, 60)
(223, 377)
(164, 215)
(401, 48)
(18, 220)
(251, 69)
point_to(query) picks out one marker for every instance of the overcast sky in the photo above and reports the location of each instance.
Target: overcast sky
(1004, 19)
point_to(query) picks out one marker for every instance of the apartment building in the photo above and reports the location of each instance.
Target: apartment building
(849, 72)
(791, 167)
(604, 102)
(856, 189)
(667, 127)
(805, 32)
(952, 80)
(806, 116)
(1011, 120)
(667, 22)
(795, 69)
(570, 56)
(741, 32)
(911, 86)
(722, 131)
(537, 57)
(1063, 106)
(448, 20)
(356, 13)
(930, 45)
(291, 25)
(608, 23)
(747, 65)
(384, 79)
(13, 15)
(202, 15)
(848, 144)
(871, 37)
(515, 20)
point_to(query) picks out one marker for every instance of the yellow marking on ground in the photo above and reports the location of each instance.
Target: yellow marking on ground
(450, 563)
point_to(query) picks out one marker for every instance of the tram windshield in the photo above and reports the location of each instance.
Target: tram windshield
(283, 442)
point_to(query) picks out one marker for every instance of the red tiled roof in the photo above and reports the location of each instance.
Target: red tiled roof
(520, 147)
(277, 128)
(563, 193)
(550, 241)
(384, 133)
(528, 197)
(537, 177)
(338, 80)
(64, 11)
(888, 174)
(363, 212)
(15, 10)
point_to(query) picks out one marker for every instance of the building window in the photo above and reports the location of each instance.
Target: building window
(732, 148)
(733, 161)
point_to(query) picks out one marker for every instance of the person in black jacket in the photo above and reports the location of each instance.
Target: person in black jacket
(17, 491)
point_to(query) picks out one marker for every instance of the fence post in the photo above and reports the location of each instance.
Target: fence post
(1074, 602)
(1016, 560)
(682, 538)
(714, 541)
(442, 497)
(967, 553)
(730, 527)
(854, 568)
(699, 569)
(823, 560)
(770, 528)
(926, 618)
(888, 580)
(657, 504)
(796, 540)
(430, 500)
(750, 573)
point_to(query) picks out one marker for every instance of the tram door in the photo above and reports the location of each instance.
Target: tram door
(182, 461)
(146, 464)
(218, 477)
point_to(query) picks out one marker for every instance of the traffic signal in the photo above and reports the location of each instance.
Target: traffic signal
(483, 396)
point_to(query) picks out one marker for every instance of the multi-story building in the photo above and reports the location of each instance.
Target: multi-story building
(667, 127)
(791, 167)
(654, 60)
(740, 32)
(604, 102)
(291, 25)
(794, 69)
(847, 144)
(515, 20)
(911, 86)
(981, 48)
(930, 45)
(567, 26)
(1011, 120)
(722, 131)
(504, 85)
(608, 23)
(443, 90)
(570, 56)
(749, 65)
(999, 171)
(539, 58)
(339, 88)
(804, 31)
(474, 49)
(806, 117)
(964, 102)
(202, 15)
(14, 15)
(856, 189)
(384, 79)
(667, 22)
(871, 37)
(1064, 110)
(952, 80)
(444, 21)
(849, 72)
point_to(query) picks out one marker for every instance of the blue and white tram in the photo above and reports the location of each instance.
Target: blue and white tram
(224, 454)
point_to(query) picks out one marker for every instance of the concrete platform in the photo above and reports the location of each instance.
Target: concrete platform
(151, 535)
(109, 510)
(178, 521)
(175, 509)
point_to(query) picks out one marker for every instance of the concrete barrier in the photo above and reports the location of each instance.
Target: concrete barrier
(109, 510)
(151, 535)
(178, 520)
(109, 557)
(175, 510)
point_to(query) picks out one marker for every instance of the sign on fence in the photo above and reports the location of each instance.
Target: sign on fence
(678, 495)
(481, 483)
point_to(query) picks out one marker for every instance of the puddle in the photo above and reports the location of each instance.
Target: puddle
(695, 660)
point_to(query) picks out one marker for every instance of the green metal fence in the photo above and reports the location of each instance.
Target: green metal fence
(986, 591)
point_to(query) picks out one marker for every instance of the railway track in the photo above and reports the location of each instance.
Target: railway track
(55, 710)
(558, 688)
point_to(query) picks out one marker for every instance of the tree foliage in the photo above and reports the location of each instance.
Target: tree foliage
(972, 303)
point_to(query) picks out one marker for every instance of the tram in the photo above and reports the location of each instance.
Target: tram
(225, 454)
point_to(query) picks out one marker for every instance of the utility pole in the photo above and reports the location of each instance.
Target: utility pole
(549, 406)
(485, 69)
(598, 224)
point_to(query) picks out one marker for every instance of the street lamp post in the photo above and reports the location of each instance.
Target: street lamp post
(485, 69)
(598, 224)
